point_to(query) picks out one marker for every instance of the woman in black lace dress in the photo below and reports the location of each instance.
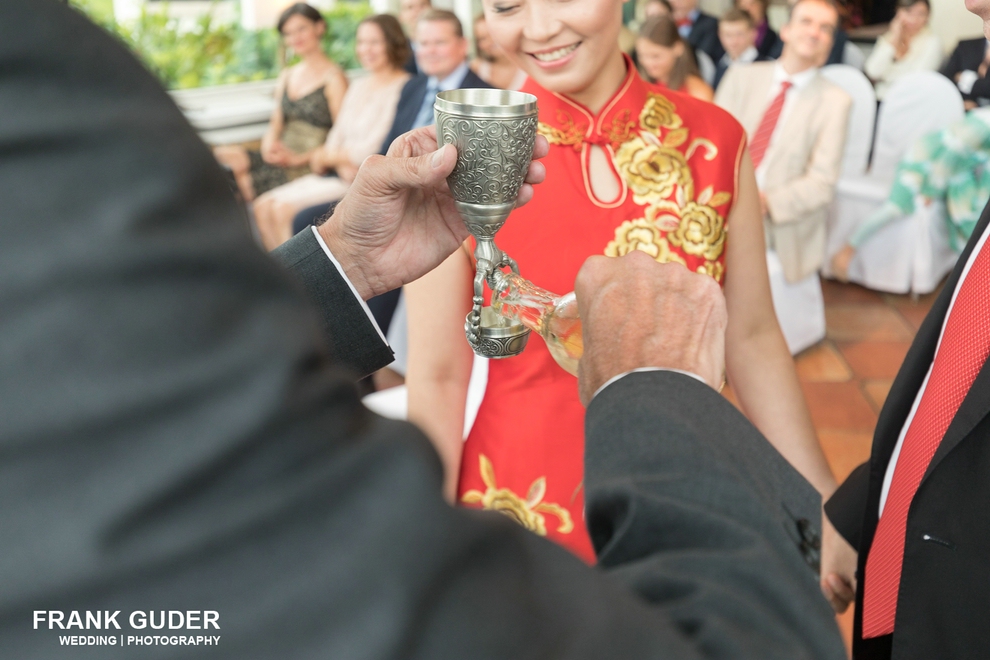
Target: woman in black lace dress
(309, 93)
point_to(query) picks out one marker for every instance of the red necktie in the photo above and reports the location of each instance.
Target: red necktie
(961, 354)
(684, 22)
(758, 147)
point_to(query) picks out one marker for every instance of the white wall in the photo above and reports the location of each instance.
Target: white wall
(951, 22)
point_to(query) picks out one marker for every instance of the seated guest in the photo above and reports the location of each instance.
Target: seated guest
(364, 118)
(797, 123)
(967, 68)
(738, 37)
(837, 55)
(766, 38)
(665, 59)
(699, 29)
(310, 96)
(651, 9)
(908, 46)
(492, 65)
(441, 54)
(947, 165)
(409, 13)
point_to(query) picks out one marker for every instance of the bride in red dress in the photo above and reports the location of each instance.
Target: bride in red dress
(632, 166)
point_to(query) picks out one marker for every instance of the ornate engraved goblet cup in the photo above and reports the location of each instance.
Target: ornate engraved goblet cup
(494, 132)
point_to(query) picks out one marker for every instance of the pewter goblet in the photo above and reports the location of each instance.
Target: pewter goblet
(494, 132)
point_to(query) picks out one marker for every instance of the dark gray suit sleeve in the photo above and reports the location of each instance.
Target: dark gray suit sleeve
(693, 508)
(350, 335)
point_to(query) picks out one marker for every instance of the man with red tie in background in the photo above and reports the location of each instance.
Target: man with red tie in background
(796, 120)
(917, 510)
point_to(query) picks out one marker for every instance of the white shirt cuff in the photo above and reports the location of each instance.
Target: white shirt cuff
(336, 264)
(634, 371)
(966, 81)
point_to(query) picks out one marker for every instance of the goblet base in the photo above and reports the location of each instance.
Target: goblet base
(497, 337)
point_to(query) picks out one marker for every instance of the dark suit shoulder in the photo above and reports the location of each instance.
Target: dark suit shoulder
(350, 334)
(472, 81)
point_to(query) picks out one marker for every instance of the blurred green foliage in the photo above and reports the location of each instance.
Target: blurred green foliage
(216, 53)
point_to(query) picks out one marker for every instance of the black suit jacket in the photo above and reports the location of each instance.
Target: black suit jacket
(771, 42)
(704, 35)
(945, 580)
(177, 435)
(411, 100)
(968, 56)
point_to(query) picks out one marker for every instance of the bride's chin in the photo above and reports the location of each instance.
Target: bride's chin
(568, 81)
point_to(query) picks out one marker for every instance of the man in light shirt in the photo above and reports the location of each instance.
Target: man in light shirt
(796, 121)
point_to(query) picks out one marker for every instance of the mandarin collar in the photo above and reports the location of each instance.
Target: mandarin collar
(576, 125)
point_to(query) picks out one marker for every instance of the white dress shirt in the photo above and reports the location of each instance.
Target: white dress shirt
(798, 82)
(889, 475)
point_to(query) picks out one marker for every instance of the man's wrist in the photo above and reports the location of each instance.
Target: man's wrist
(348, 264)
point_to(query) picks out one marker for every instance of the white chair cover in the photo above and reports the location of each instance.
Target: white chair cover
(917, 104)
(862, 116)
(853, 56)
(909, 255)
(800, 306)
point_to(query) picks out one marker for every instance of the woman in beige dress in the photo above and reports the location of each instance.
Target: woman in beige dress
(310, 94)
(365, 117)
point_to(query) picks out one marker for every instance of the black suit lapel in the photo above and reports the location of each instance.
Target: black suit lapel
(974, 58)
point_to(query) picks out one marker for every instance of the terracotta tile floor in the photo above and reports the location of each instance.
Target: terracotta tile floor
(846, 376)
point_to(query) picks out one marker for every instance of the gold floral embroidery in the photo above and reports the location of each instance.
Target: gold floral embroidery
(652, 171)
(570, 134)
(659, 112)
(711, 151)
(642, 235)
(675, 138)
(654, 165)
(701, 231)
(525, 512)
(713, 269)
(621, 129)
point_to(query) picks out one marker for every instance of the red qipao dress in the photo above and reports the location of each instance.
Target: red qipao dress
(676, 161)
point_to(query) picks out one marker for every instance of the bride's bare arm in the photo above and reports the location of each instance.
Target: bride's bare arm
(440, 359)
(758, 363)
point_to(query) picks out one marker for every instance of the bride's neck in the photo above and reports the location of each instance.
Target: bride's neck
(605, 84)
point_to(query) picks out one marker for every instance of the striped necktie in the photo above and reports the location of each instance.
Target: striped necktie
(761, 140)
